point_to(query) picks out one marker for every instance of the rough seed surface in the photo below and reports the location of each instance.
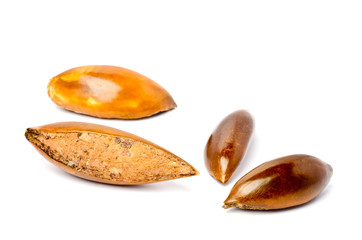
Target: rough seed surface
(109, 157)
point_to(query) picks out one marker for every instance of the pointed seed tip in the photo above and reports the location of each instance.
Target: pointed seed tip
(220, 179)
(226, 206)
(224, 180)
(28, 132)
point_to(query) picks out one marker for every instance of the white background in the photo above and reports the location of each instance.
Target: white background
(295, 65)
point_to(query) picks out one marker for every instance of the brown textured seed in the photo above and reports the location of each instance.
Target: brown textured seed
(227, 145)
(281, 183)
(109, 92)
(105, 154)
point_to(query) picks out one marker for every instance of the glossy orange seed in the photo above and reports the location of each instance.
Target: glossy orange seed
(109, 92)
(103, 154)
(227, 145)
(281, 183)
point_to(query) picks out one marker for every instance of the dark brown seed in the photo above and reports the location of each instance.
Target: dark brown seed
(227, 145)
(281, 183)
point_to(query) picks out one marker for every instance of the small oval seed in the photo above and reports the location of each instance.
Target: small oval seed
(227, 145)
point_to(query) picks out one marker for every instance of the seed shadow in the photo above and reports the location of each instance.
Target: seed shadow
(322, 195)
(114, 119)
(239, 171)
(164, 186)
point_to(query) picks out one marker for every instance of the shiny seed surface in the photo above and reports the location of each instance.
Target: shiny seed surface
(109, 92)
(281, 183)
(227, 145)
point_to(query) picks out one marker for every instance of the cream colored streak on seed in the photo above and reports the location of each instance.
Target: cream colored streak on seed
(101, 90)
(252, 186)
(224, 162)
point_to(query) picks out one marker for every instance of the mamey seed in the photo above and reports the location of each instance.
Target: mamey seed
(227, 145)
(281, 183)
(109, 92)
(106, 155)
